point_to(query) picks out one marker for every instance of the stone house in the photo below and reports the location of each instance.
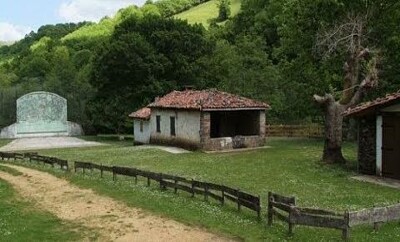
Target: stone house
(207, 119)
(379, 136)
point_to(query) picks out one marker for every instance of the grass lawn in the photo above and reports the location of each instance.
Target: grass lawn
(204, 12)
(3, 142)
(290, 167)
(19, 221)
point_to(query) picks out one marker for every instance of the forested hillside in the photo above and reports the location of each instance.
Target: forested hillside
(267, 51)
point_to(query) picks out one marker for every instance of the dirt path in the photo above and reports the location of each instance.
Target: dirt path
(113, 220)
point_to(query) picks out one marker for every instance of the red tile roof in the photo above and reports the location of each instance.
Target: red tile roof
(206, 100)
(143, 113)
(373, 106)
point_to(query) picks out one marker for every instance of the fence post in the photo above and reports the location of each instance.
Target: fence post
(223, 197)
(259, 208)
(160, 178)
(74, 165)
(290, 223)
(346, 230)
(175, 188)
(192, 188)
(148, 181)
(101, 170)
(114, 175)
(270, 209)
(206, 192)
(238, 199)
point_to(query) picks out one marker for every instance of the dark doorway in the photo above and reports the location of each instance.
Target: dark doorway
(234, 123)
(391, 146)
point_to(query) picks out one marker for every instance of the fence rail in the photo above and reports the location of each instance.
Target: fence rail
(310, 131)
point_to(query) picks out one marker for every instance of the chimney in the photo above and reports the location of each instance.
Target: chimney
(189, 88)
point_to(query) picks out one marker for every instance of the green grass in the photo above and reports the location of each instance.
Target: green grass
(10, 170)
(203, 13)
(19, 221)
(290, 167)
(3, 142)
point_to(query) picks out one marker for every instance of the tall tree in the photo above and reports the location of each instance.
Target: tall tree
(360, 75)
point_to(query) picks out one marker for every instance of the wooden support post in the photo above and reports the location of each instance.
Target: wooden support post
(148, 181)
(83, 169)
(223, 198)
(74, 166)
(270, 209)
(101, 170)
(114, 176)
(259, 209)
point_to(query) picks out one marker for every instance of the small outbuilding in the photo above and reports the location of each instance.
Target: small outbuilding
(141, 125)
(379, 136)
(206, 119)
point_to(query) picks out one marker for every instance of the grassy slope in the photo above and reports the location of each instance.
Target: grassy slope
(291, 167)
(20, 222)
(206, 11)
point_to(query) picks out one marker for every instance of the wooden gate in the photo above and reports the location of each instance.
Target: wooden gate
(391, 146)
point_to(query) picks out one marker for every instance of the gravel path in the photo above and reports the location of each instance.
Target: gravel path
(113, 220)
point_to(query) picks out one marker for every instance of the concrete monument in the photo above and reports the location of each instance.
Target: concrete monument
(41, 114)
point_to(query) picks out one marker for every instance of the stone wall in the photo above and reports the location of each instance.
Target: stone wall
(226, 143)
(367, 145)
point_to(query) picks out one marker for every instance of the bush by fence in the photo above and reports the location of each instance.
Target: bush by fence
(285, 209)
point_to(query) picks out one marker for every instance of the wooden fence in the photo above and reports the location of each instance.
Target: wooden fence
(13, 156)
(63, 164)
(375, 216)
(285, 209)
(193, 187)
(309, 131)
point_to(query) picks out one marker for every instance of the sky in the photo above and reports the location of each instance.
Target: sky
(19, 17)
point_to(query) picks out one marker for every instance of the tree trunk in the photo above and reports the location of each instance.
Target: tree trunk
(333, 133)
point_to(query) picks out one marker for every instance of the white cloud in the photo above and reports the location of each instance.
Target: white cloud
(92, 10)
(11, 32)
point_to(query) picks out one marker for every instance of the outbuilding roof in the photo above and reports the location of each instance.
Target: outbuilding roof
(143, 113)
(207, 100)
(373, 106)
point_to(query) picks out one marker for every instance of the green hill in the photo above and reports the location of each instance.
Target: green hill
(206, 11)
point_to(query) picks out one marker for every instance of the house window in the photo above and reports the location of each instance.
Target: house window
(172, 122)
(158, 120)
(141, 126)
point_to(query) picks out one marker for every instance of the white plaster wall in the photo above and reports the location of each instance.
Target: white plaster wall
(187, 124)
(141, 137)
(379, 134)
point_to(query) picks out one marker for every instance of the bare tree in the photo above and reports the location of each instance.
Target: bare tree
(360, 75)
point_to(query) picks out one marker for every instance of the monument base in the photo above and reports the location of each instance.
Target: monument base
(10, 132)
